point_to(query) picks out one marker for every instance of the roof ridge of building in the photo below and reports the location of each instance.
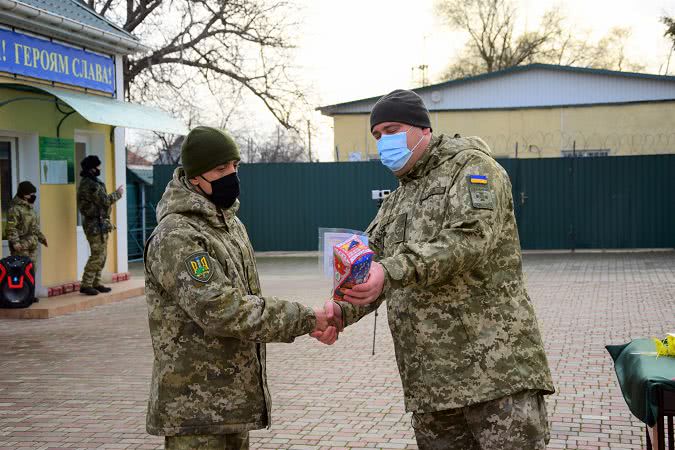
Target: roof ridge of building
(516, 69)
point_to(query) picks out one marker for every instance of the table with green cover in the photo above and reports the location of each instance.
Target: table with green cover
(645, 380)
(641, 375)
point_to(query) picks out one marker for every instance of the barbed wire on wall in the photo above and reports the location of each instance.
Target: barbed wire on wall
(547, 144)
(555, 143)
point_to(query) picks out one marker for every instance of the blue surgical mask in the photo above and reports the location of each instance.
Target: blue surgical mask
(394, 151)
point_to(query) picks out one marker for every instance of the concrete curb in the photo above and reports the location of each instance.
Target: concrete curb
(70, 303)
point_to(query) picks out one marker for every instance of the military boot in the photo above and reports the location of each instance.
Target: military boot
(102, 288)
(88, 291)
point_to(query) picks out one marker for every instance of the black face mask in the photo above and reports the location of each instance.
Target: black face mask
(96, 172)
(224, 190)
(31, 199)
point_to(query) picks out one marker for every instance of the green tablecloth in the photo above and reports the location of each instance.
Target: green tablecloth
(641, 375)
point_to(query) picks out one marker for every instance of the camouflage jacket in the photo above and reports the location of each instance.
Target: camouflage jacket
(208, 320)
(23, 226)
(464, 328)
(95, 205)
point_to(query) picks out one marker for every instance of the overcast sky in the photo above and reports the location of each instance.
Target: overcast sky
(359, 48)
(352, 49)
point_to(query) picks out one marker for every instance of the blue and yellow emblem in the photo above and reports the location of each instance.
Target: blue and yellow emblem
(481, 194)
(478, 179)
(199, 267)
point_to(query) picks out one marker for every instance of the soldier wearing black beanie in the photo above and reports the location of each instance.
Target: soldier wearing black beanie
(25, 188)
(444, 238)
(400, 106)
(23, 225)
(95, 206)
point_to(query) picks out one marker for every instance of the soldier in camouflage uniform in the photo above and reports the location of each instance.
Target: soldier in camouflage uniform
(449, 266)
(208, 320)
(23, 225)
(95, 205)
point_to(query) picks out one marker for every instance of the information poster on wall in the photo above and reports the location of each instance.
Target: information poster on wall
(57, 160)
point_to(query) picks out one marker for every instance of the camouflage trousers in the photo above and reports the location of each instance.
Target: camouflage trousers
(98, 244)
(516, 422)
(236, 441)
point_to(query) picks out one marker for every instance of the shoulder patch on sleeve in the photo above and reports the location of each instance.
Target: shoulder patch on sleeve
(481, 194)
(198, 266)
(478, 179)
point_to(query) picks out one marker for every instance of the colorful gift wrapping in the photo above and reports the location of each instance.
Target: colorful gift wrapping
(351, 264)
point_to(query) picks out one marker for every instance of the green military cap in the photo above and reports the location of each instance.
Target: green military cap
(205, 148)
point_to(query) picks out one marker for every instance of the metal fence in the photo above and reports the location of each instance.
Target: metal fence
(560, 203)
(284, 204)
(594, 203)
(141, 220)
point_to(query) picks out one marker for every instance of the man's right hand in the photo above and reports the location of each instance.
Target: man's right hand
(120, 190)
(329, 323)
(368, 292)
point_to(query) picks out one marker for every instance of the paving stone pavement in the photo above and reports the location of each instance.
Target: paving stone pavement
(81, 381)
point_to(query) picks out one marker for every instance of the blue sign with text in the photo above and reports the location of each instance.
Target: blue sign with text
(26, 55)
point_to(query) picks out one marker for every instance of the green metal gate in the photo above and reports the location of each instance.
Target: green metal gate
(595, 203)
(284, 204)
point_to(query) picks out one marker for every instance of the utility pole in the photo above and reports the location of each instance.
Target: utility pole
(423, 74)
(573, 164)
(309, 139)
(250, 150)
(424, 68)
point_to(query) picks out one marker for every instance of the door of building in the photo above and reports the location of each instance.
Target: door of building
(8, 182)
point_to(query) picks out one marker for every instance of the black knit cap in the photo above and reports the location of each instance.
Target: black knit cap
(90, 162)
(25, 188)
(400, 106)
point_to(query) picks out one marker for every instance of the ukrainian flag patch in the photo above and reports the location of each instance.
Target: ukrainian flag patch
(478, 179)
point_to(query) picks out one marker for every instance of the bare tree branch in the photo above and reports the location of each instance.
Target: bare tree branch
(281, 145)
(210, 42)
(669, 22)
(493, 43)
(104, 8)
(136, 15)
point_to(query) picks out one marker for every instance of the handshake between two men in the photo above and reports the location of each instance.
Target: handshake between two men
(330, 319)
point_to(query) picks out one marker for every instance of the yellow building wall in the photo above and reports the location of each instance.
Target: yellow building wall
(630, 129)
(352, 135)
(58, 203)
